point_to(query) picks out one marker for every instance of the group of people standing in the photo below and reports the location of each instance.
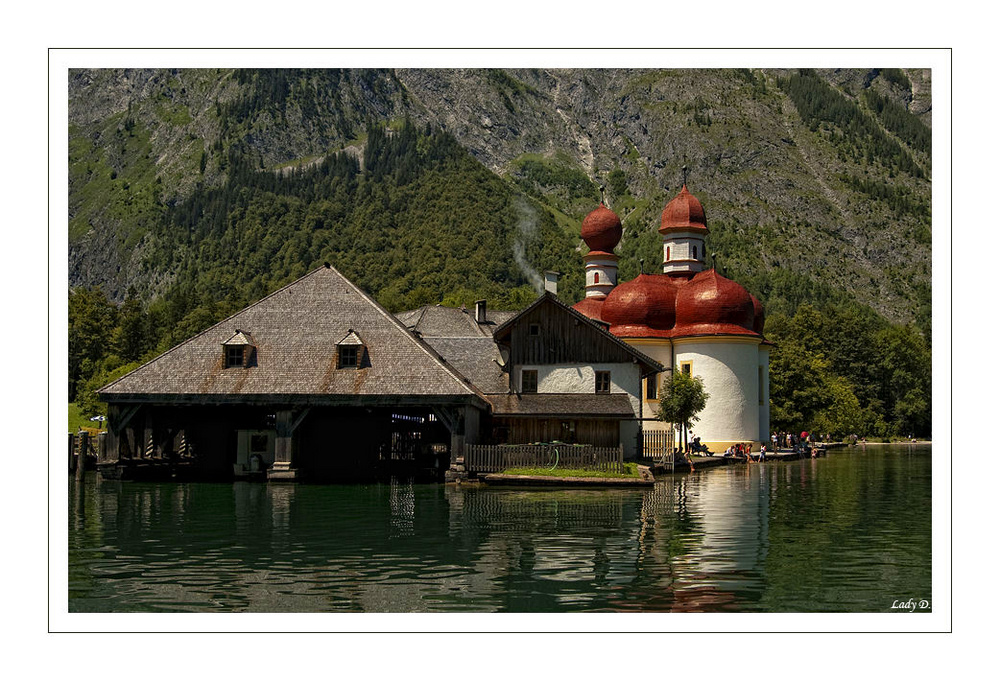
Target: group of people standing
(797, 442)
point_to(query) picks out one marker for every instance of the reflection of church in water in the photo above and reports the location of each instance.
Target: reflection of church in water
(721, 519)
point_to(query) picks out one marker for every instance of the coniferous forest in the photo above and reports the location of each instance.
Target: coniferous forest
(403, 208)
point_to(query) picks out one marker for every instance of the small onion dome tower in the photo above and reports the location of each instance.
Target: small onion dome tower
(602, 230)
(683, 227)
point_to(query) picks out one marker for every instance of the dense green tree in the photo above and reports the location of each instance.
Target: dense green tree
(109, 369)
(842, 369)
(799, 379)
(842, 415)
(92, 319)
(904, 370)
(684, 397)
(132, 337)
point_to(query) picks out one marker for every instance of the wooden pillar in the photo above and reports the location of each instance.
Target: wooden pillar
(148, 446)
(286, 421)
(457, 447)
(81, 456)
(110, 452)
(452, 420)
(471, 425)
(72, 449)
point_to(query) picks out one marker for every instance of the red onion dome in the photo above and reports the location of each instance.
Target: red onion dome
(683, 212)
(591, 306)
(646, 301)
(758, 316)
(602, 230)
(711, 304)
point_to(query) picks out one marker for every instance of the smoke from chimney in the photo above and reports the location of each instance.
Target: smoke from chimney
(527, 226)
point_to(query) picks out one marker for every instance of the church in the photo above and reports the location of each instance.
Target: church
(688, 318)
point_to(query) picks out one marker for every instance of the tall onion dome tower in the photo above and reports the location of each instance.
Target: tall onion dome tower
(601, 230)
(684, 228)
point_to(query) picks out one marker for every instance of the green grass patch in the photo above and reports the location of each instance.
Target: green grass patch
(78, 421)
(631, 471)
(172, 113)
(297, 162)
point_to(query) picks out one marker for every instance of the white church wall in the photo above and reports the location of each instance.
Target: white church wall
(729, 369)
(660, 350)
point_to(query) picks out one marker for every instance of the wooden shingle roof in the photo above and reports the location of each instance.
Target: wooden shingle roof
(479, 359)
(240, 338)
(612, 406)
(295, 331)
(467, 345)
(440, 321)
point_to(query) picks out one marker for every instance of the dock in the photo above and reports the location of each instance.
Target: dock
(548, 481)
(703, 462)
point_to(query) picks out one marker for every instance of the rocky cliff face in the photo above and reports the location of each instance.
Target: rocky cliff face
(780, 193)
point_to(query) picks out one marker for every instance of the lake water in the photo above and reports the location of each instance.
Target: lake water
(850, 532)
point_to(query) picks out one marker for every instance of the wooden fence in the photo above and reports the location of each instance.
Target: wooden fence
(496, 458)
(656, 444)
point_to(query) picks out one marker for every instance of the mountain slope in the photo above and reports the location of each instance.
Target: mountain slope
(816, 184)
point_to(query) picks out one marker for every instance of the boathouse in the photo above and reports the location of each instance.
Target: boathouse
(315, 381)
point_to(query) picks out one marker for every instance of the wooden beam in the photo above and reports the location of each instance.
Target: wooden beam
(126, 416)
(299, 418)
(449, 417)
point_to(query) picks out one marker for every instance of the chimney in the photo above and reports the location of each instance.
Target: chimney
(551, 281)
(480, 311)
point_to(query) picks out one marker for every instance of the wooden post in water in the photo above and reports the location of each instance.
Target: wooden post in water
(102, 445)
(81, 455)
(72, 448)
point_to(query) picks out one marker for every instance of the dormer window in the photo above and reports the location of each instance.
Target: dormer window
(350, 351)
(348, 357)
(238, 351)
(234, 356)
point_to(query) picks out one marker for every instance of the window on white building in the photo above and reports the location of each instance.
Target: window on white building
(529, 380)
(602, 381)
(651, 387)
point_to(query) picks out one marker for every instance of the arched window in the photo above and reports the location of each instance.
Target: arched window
(695, 252)
(668, 252)
(596, 276)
